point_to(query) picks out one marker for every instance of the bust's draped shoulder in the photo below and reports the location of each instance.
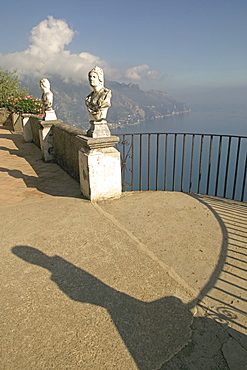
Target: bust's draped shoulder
(98, 100)
(47, 99)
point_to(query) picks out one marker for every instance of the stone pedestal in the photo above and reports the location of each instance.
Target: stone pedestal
(17, 123)
(98, 129)
(27, 130)
(50, 115)
(100, 168)
(46, 139)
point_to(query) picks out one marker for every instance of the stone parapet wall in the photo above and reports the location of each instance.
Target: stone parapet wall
(66, 147)
(65, 142)
(93, 162)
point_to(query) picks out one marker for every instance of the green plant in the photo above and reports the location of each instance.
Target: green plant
(10, 86)
(24, 104)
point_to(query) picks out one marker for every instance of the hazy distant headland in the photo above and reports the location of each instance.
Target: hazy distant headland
(130, 104)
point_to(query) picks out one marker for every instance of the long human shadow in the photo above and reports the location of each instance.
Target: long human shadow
(152, 331)
(159, 335)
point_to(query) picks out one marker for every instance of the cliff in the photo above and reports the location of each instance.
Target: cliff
(130, 104)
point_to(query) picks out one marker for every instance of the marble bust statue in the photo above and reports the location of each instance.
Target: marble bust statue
(47, 96)
(98, 101)
(47, 99)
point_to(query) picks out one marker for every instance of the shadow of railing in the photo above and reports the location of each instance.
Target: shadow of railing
(224, 297)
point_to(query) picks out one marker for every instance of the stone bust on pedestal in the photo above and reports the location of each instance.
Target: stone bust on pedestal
(99, 161)
(47, 99)
(98, 102)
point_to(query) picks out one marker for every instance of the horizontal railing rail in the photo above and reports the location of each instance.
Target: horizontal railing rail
(185, 162)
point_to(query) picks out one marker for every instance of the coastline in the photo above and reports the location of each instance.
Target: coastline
(114, 125)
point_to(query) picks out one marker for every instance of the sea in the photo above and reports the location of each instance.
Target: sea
(217, 119)
(204, 119)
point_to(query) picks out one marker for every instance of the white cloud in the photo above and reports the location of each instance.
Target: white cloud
(47, 55)
(140, 72)
(153, 75)
(134, 73)
(50, 36)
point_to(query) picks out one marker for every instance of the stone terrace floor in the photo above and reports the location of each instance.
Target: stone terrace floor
(153, 280)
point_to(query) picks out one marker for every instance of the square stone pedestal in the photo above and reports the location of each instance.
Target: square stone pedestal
(50, 115)
(98, 129)
(46, 139)
(100, 168)
(27, 130)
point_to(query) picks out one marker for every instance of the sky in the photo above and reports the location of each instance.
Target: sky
(171, 45)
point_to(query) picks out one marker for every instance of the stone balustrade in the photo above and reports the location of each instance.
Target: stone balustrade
(94, 162)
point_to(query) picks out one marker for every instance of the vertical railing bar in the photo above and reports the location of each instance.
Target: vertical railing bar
(244, 179)
(174, 161)
(149, 162)
(191, 161)
(227, 165)
(236, 168)
(132, 163)
(200, 166)
(222, 164)
(166, 155)
(209, 162)
(183, 160)
(218, 167)
(140, 173)
(157, 161)
(124, 165)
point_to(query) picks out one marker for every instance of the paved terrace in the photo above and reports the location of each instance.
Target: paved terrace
(153, 280)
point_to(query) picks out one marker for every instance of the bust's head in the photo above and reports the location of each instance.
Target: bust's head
(44, 84)
(96, 77)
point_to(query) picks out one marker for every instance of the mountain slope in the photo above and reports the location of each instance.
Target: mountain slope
(130, 104)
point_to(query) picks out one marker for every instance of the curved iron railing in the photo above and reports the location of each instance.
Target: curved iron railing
(186, 162)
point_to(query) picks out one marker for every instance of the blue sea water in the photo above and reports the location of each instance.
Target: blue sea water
(230, 120)
(204, 119)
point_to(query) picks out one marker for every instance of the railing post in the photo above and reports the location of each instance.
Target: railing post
(236, 168)
(244, 179)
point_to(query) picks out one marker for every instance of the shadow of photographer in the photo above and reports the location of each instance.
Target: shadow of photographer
(153, 331)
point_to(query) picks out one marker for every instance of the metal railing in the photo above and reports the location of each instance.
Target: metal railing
(186, 162)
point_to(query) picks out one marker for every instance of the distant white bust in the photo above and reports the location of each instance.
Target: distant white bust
(98, 101)
(47, 100)
(47, 96)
